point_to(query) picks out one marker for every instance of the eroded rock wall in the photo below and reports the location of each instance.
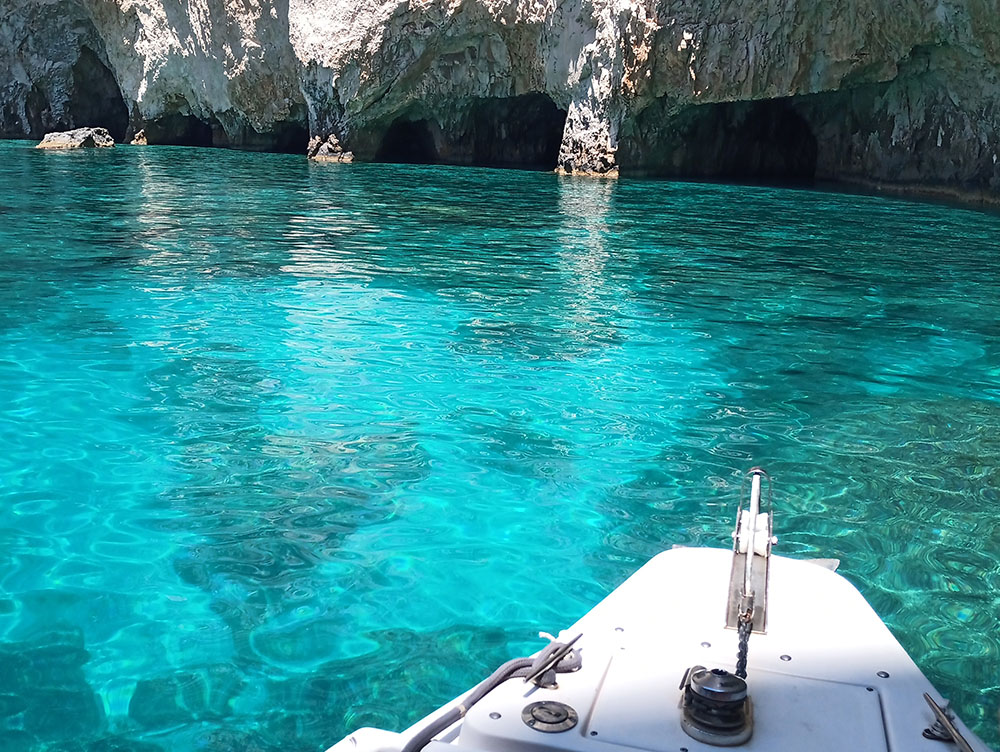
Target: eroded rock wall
(207, 72)
(892, 94)
(875, 91)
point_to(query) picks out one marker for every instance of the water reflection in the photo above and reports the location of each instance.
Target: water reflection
(593, 299)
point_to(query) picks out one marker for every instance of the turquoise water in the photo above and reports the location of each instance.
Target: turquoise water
(288, 449)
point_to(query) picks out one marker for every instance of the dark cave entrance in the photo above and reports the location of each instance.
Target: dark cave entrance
(523, 132)
(290, 137)
(285, 137)
(762, 141)
(95, 99)
(408, 142)
(181, 130)
(174, 129)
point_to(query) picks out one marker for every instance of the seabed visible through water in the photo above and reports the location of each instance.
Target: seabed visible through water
(288, 448)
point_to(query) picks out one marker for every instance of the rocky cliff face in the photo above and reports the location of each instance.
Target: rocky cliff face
(901, 94)
(205, 72)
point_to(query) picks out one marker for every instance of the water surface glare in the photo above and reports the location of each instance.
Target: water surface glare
(288, 449)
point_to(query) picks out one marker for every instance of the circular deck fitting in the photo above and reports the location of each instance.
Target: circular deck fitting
(715, 708)
(719, 685)
(882, 674)
(549, 716)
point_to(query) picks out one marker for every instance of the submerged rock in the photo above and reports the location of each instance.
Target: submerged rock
(43, 687)
(184, 697)
(76, 139)
(167, 701)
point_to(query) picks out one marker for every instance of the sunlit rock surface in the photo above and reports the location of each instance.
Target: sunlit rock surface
(327, 150)
(870, 91)
(78, 138)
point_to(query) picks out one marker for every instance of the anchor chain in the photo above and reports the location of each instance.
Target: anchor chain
(743, 629)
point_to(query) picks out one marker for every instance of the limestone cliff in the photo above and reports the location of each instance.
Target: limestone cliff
(213, 72)
(893, 92)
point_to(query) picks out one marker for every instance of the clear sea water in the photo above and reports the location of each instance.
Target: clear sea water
(286, 448)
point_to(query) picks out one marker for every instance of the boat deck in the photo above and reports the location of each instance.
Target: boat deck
(826, 676)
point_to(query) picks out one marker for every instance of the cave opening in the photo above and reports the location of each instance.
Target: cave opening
(523, 132)
(95, 98)
(285, 137)
(408, 142)
(182, 130)
(290, 137)
(760, 141)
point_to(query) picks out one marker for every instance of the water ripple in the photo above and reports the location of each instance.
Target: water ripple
(294, 448)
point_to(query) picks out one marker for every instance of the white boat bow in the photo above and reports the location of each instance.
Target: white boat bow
(825, 676)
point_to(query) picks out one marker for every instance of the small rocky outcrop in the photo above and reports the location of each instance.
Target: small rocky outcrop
(77, 138)
(139, 139)
(327, 150)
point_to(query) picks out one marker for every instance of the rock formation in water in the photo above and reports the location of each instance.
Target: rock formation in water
(77, 138)
(901, 93)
